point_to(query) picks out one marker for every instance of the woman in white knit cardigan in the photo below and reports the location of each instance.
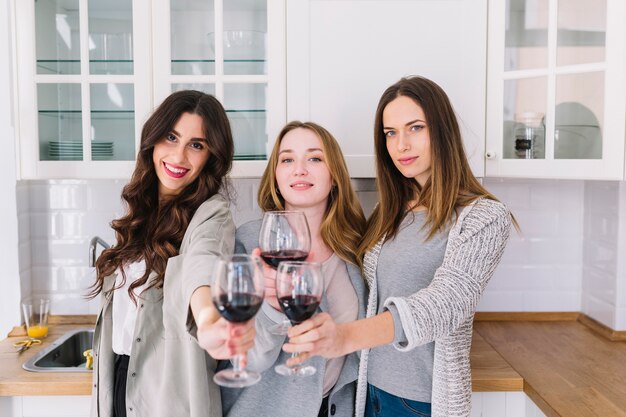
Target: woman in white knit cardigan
(432, 244)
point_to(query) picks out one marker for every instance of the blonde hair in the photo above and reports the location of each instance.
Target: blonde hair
(344, 221)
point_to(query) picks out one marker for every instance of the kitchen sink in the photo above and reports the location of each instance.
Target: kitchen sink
(64, 354)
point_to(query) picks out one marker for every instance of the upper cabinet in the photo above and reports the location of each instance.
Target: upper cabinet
(91, 71)
(83, 86)
(543, 96)
(342, 55)
(555, 104)
(234, 50)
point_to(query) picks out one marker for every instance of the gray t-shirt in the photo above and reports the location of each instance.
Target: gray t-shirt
(406, 264)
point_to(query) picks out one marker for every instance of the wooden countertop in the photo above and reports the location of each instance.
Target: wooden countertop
(566, 368)
(490, 372)
(569, 370)
(15, 381)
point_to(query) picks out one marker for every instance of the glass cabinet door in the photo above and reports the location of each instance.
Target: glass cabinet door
(65, 125)
(82, 86)
(550, 83)
(222, 48)
(90, 72)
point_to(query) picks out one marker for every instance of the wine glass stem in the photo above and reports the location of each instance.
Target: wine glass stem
(293, 356)
(237, 364)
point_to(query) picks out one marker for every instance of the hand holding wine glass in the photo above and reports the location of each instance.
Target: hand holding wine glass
(237, 294)
(284, 236)
(223, 339)
(270, 282)
(299, 287)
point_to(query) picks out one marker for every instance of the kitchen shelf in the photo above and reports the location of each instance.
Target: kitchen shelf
(539, 37)
(54, 65)
(95, 114)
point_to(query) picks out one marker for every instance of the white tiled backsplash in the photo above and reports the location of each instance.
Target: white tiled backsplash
(542, 268)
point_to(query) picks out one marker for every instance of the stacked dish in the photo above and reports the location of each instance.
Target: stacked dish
(65, 150)
(101, 150)
(73, 150)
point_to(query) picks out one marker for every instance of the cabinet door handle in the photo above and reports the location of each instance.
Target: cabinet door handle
(490, 155)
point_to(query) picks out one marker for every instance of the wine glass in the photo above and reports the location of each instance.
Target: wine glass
(237, 293)
(299, 287)
(284, 236)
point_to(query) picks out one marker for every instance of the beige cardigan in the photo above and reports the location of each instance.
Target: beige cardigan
(168, 373)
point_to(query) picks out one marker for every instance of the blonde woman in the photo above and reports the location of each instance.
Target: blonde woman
(307, 172)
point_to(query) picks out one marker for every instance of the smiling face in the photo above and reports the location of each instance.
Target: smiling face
(181, 155)
(408, 138)
(302, 175)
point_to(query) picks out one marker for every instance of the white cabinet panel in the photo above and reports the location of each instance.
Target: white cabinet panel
(46, 406)
(53, 406)
(504, 404)
(341, 55)
(556, 77)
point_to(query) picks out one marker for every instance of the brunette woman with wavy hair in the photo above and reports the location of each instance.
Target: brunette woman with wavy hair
(306, 171)
(430, 247)
(157, 321)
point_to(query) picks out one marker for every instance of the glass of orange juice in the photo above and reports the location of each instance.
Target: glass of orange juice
(36, 317)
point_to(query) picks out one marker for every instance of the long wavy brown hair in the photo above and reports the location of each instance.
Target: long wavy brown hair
(152, 229)
(344, 221)
(451, 185)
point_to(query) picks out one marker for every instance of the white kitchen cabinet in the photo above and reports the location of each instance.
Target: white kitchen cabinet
(89, 73)
(84, 86)
(504, 404)
(341, 55)
(46, 406)
(556, 82)
(234, 50)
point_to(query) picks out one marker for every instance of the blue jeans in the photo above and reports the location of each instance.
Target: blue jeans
(382, 404)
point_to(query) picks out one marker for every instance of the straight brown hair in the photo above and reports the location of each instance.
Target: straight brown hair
(451, 185)
(344, 221)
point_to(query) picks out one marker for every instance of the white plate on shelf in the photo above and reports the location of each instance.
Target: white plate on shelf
(577, 133)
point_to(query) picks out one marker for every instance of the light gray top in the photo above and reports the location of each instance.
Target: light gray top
(406, 265)
(343, 307)
(280, 396)
(444, 311)
(169, 374)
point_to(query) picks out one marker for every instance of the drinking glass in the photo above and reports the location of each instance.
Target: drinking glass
(299, 287)
(238, 294)
(284, 236)
(36, 317)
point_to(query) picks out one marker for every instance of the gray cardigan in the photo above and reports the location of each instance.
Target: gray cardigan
(169, 374)
(443, 312)
(277, 395)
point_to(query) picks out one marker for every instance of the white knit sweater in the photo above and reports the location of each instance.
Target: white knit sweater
(443, 312)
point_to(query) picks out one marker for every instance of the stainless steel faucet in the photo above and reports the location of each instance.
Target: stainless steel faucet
(93, 244)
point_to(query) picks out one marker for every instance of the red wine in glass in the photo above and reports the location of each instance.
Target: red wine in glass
(274, 258)
(299, 308)
(237, 292)
(238, 307)
(299, 287)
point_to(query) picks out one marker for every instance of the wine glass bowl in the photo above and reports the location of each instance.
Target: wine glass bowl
(237, 293)
(299, 287)
(284, 236)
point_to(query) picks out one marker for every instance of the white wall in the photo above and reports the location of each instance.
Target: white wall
(9, 279)
(540, 271)
(604, 250)
(565, 259)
